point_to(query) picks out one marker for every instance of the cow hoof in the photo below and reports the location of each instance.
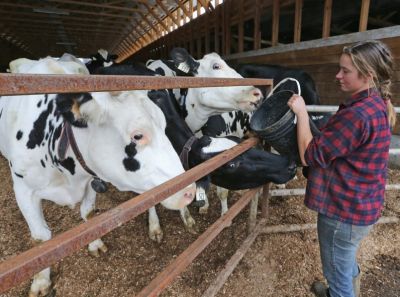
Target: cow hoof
(97, 246)
(43, 291)
(156, 236)
(192, 229)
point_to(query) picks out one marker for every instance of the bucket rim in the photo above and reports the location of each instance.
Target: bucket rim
(274, 126)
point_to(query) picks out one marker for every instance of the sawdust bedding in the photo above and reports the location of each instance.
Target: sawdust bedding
(282, 264)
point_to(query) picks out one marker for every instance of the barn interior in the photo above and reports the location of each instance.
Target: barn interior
(302, 34)
(306, 34)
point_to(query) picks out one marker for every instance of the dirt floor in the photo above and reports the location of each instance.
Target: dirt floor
(276, 264)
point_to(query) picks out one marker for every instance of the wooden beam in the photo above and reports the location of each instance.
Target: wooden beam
(326, 27)
(152, 26)
(206, 5)
(364, 15)
(182, 6)
(149, 9)
(191, 9)
(168, 13)
(68, 10)
(97, 5)
(275, 22)
(297, 20)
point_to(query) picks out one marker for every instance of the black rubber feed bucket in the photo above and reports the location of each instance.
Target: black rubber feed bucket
(274, 122)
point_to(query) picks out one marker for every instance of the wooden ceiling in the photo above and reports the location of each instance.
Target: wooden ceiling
(53, 27)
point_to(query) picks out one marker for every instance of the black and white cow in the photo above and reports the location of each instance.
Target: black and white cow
(198, 104)
(121, 139)
(101, 59)
(251, 169)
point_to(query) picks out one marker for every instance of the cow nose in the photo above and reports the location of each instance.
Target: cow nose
(189, 193)
(258, 94)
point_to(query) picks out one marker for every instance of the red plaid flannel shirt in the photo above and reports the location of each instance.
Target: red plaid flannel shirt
(348, 161)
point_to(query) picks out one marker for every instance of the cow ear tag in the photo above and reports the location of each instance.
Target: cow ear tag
(98, 185)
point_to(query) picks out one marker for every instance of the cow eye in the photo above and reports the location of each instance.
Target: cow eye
(231, 165)
(138, 136)
(216, 66)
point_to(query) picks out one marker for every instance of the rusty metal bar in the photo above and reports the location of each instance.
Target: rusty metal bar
(17, 84)
(186, 257)
(21, 267)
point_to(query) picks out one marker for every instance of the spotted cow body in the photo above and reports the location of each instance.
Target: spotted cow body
(121, 139)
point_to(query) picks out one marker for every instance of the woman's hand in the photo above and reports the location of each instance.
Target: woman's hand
(297, 105)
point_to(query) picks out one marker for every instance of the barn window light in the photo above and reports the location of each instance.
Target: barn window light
(51, 10)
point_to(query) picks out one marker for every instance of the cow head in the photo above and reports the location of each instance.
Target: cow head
(251, 169)
(101, 59)
(222, 99)
(121, 137)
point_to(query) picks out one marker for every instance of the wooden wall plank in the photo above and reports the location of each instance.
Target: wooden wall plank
(297, 20)
(257, 20)
(275, 22)
(241, 27)
(326, 26)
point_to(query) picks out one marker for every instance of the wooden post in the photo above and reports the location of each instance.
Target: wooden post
(227, 28)
(326, 28)
(265, 201)
(275, 22)
(253, 213)
(257, 32)
(207, 33)
(364, 15)
(297, 20)
(217, 23)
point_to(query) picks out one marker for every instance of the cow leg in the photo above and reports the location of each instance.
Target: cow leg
(188, 221)
(223, 197)
(87, 208)
(31, 209)
(155, 232)
(201, 195)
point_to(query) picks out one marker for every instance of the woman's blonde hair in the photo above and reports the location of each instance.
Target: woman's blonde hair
(372, 57)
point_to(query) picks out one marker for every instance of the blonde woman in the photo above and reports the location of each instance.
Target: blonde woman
(348, 163)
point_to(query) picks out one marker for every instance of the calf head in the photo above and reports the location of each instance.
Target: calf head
(121, 136)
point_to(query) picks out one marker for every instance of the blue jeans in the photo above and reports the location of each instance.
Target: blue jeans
(338, 243)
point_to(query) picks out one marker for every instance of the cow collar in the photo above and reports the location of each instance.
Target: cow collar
(67, 138)
(184, 155)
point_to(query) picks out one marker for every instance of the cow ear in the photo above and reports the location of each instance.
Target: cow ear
(69, 106)
(183, 61)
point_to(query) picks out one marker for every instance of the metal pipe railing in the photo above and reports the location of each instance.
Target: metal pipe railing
(331, 108)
